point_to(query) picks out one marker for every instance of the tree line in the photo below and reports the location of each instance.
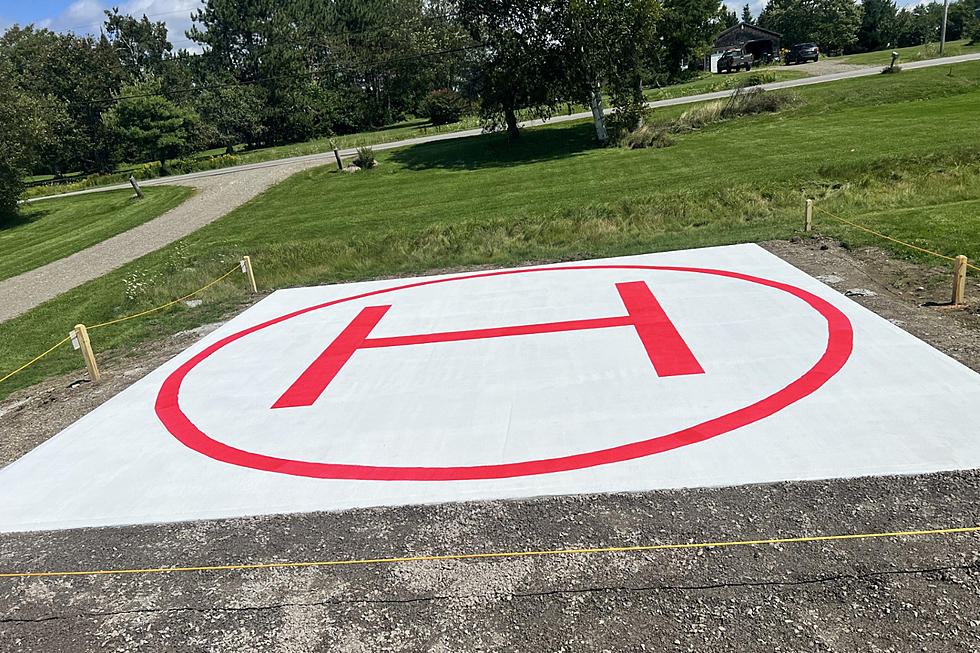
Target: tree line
(270, 73)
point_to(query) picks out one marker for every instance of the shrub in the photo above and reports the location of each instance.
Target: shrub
(702, 114)
(889, 70)
(759, 101)
(444, 106)
(646, 136)
(365, 157)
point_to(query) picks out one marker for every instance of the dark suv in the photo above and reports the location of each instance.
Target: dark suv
(734, 60)
(803, 52)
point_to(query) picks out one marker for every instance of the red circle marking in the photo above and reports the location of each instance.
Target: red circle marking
(839, 346)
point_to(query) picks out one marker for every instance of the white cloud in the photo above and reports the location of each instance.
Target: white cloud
(87, 16)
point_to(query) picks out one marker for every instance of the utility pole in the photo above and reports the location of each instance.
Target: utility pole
(942, 35)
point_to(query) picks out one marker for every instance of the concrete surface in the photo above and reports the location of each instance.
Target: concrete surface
(580, 411)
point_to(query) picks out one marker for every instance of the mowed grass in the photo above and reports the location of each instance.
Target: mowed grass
(868, 148)
(913, 53)
(53, 229)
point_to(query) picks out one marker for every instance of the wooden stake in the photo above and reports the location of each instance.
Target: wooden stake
(959, 279)
(248, 271)
(340, 164)
(86, 346)
(808, 224)
(136, 186)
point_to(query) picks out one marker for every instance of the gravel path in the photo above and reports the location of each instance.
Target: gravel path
(216, 196)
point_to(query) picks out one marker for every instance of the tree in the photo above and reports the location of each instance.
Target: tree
(79, 73)
(746, 13)
(605, 48)
(687, 32)
(831, 24)
(520, 67)
(25, 127)
(729, 17)
(879, 26)
(149, 126)
(233, 114)
(142, 46)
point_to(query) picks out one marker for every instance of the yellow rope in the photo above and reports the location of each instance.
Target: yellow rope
(26, 365)
(501, 554)
(121, 319)
(894, 240)
(159, 308)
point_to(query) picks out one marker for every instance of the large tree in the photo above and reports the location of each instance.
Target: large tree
(520, 66)
(80, 73)
(141, 45)
(687, 32)
(879, 27)
(148, 126)
(831, 24)
(606, 45)
(25, 127)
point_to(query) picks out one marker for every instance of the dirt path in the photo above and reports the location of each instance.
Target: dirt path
(216, 196)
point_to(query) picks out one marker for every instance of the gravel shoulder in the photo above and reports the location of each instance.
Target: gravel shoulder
(916, 593)
(215, 197)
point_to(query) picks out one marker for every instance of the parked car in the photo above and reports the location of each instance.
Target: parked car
(803, 52)
(734, 60)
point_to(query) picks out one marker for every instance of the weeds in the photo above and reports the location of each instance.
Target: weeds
(365, 157)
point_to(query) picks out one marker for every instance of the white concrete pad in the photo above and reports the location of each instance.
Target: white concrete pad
(716, 366)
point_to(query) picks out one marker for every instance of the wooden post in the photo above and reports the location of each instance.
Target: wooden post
(136, 186)
(81, 333)
(959, 279)
(340, 164)
(808, 224)
(248, 271)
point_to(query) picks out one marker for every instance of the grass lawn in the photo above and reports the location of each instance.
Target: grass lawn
(866, 147)
(914, 53)
(403, 130)
(53, 229)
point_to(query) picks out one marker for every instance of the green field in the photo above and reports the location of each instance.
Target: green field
(914, 53)
(868, 148)
(55, 228)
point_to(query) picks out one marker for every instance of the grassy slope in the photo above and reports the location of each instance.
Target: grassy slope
(55, 228)
(914, 53)
(865, 147)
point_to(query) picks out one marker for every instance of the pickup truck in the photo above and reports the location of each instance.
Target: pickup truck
(734, 60)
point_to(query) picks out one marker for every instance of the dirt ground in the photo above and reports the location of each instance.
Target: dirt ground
(919, 593)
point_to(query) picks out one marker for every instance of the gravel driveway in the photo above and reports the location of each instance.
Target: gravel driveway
(216, 196)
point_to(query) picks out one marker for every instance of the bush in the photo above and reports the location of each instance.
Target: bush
(365, 157)
(759, 101)
(890, 70)
(444, 106)
(646, 136)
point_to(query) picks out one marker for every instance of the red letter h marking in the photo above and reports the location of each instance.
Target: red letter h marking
(668, 352)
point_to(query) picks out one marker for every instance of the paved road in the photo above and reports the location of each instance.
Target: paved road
(848, 73)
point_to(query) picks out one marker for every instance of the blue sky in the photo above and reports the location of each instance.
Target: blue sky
(85, 16)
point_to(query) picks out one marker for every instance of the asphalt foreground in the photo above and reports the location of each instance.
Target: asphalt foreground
(918, 593)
